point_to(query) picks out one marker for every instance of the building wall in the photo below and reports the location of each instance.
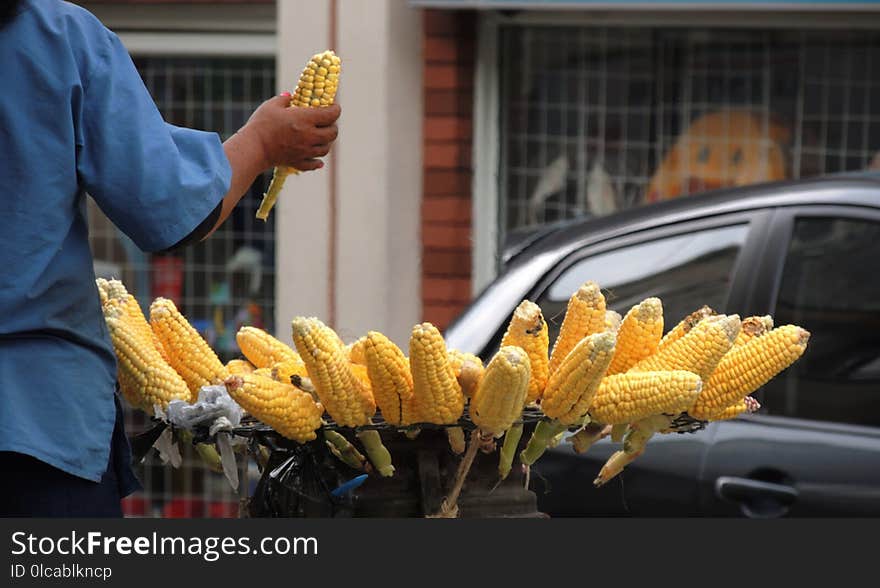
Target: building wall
(449, 57)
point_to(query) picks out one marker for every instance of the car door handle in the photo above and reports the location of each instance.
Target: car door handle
(755, 497)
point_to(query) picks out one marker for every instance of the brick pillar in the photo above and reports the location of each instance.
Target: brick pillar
(449, 54)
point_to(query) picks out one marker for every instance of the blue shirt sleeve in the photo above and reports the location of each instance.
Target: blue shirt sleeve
(155, 181)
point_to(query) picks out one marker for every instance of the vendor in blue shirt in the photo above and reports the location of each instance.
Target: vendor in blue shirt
(75, 118)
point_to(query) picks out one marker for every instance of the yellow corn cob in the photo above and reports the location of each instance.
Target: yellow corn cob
(684, 327)
(612, 320)
(262, 349)
(188, 353)
(239, 366)
(281, 406)
(102, 290)
(285, 370)
(502, 391)
(699, 351)
(316, 87)
(753, 326)
(468, 370)
(437, 394)
(748, 367)
(265, 372)
(390, 378)
(115, 290)
(571, 388)
(638, 336)
(629, 397)
(584, 315)
(528, 330)
(746, 405)
(356, 351)
(344, 396)
(145, 378)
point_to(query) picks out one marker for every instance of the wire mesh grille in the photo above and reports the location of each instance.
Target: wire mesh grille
(601, 119)
(219, 284)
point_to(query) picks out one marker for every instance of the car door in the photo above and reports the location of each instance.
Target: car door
(686, 265)
(814, 448)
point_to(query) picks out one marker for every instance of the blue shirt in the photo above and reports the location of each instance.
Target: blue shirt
(75, 117)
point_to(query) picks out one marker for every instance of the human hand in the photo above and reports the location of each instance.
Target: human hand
(292, 137)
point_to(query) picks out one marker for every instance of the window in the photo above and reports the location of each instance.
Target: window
(696, 266)
(829, 286)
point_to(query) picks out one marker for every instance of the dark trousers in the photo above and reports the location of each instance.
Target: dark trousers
(32, 488)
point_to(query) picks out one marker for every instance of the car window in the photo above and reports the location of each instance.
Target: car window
(830, 287)
(685, 271)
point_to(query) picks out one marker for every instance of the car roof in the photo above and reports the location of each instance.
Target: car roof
(850, 189)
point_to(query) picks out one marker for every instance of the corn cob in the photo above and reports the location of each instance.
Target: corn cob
(102, 290)
(188, 353)
(588, 436)
(699, 351)
(612, 320)
(262, 349)
(437, 393)
(684, 327)
(468, 370)
(629, 397)
(571, 388)
(344, 396)
(316, 87)
(281, 406)
(633, 446)
(502, 392)
(638, 336)
(744, 406)
(391, 380)
(115, 290)
(239, 366)
(753, 326)
(286, 370)
(584, 315)
(528, 330)
(356, 351)
(265, 372)
(145, 378)
(748, 367)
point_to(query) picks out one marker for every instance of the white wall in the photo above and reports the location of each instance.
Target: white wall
(377, 162)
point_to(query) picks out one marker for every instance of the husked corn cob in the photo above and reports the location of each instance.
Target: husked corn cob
(187, 352)
(115, 290)
(102, 290)
(629, 397)
(145, 378)
(391, 380)
(571, 388)
(239, 366)
(265, 372)
(584, 315)
(262, 349)
(699, 351)
(344, 396)
(468, 370)
(316, 87)
(356, 351)
(612, 320)
(753, 326)
(748, 367)
(746, 405)
(502, 391)
(684, 327)
(437, 393)
(281, 406)
(285, 370)
(528, 330)
(638, 336)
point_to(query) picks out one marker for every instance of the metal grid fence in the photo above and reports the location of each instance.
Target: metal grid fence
(219, 284)
(600, 119)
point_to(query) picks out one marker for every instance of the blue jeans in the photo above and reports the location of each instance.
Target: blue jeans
(32, 488)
